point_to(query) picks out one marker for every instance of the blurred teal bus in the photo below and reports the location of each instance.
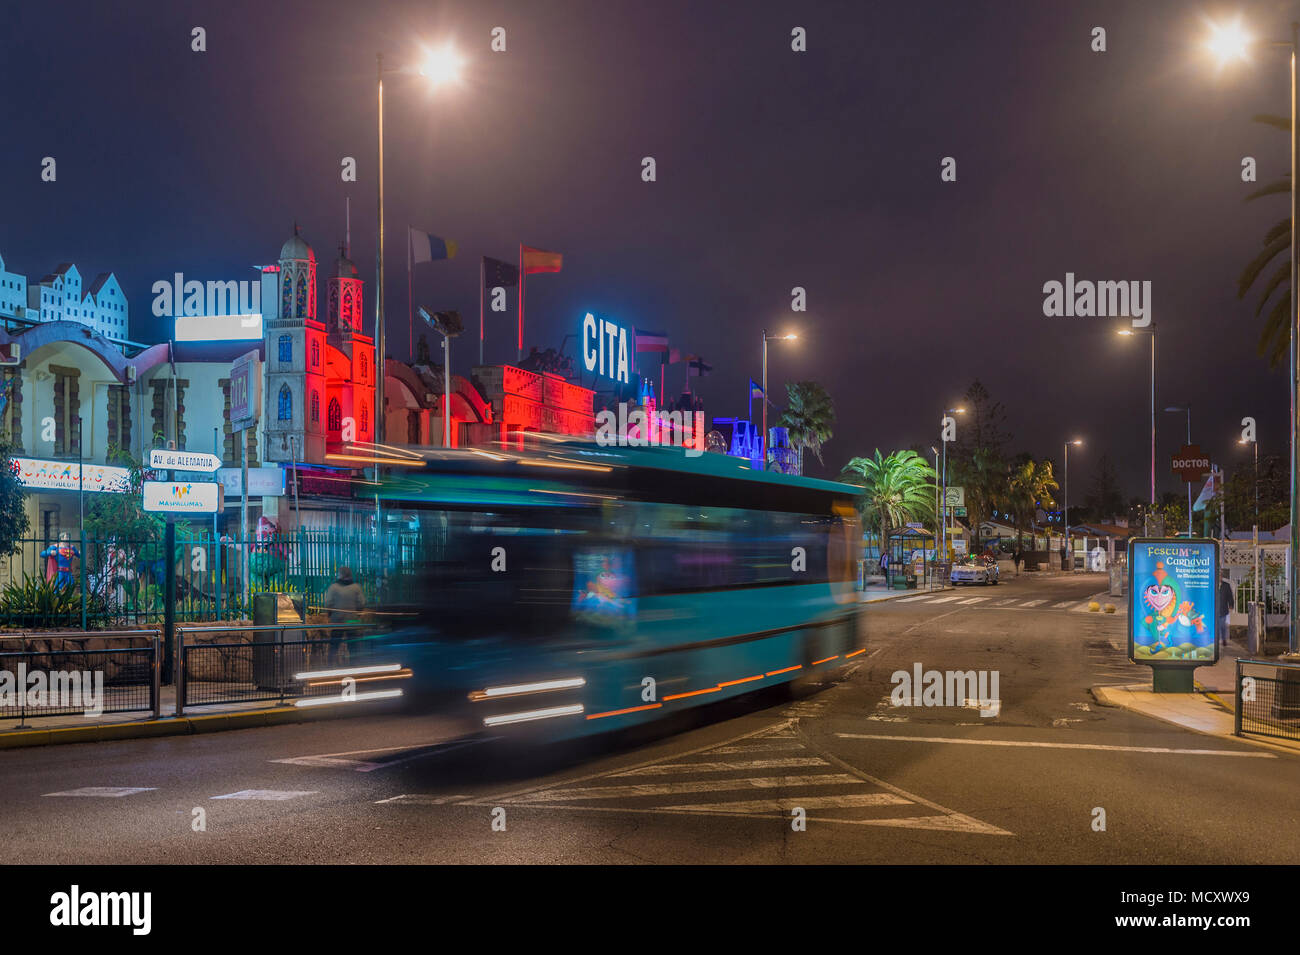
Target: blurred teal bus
(573, 589)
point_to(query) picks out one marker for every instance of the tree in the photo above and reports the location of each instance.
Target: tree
(1275, 336)
(808, 418)
(1031, 483)
(1104, 499)
(14, 524)
(982, 426)
(898, 488)
(984, 476)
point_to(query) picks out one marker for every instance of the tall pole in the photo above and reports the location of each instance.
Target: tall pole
(81, 521)
(1153, 422)
(1293, 579)
(482, 280)
(764, 398)
(1065, 515)
(1189, 485)
(217, 550)
(943, 501)
(379, 274)
(446, 390)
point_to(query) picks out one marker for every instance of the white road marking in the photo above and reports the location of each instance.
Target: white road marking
(1063, 603)
(330, 762)
(944, 600)
(667, 769)
(974, 600)
(1008, 600)
(1066, 720)
(337, 760)
(911, 600)
(757, 747)
(112, 792)
(420, 799)
(673, 789)
(1081, 706)
(805, 802)
(1097, 746)
(1033, 603)
(271, 795)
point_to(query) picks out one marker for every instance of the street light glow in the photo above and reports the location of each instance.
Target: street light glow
(442, 65)
(1229, 42)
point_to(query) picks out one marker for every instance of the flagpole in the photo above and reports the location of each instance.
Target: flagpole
(482, 278)
(519, 354)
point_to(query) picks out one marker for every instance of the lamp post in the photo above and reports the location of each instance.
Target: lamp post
(769, 338)
(438, 67)
(449, 326)
(1254, 534)
(1150, 330)
(1232, 42)
(1065, 514)
(1178, 409)
(943, 535)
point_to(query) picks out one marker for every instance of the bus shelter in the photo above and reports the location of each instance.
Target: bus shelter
(911, 551)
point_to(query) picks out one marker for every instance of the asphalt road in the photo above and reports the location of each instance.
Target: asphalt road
(877, 783)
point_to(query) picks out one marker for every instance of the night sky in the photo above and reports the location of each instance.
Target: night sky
(775, 169)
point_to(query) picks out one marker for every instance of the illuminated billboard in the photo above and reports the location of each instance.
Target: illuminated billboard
(70, 476)
(1173, 601)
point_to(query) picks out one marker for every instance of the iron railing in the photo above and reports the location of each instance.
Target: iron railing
(258, 670)
(49, 672)
(1268, 699)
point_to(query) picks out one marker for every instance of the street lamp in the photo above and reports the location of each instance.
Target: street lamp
(943, 534)
(1150, 330)
(1254, 535)
(1065, 514)
(1255, 442)
(1177, 409)
(769, 338)
(1232, 43)
(449, 326)
(440, 67)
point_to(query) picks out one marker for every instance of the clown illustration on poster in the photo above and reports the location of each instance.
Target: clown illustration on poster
(1173, 591)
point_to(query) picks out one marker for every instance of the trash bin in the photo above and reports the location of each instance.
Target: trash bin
(1118, 580)
(278, 654)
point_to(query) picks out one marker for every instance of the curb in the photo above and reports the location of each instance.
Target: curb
(148, 729)
(1275, 747)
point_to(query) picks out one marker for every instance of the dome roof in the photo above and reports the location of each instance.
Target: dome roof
(296, 248)
(344, 269)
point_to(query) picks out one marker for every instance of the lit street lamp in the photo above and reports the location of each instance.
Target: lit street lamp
(769, 338)
(1228, 43)
(1065, 514)
(439, 67)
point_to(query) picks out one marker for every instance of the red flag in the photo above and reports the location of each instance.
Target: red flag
(539, 260)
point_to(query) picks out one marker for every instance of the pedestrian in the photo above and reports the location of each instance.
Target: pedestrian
(884, 565)
(344, 601)
(1227, 603)
(1015, 559)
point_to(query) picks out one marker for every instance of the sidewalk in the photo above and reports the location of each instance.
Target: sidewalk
(208, 718)
(1209, 710)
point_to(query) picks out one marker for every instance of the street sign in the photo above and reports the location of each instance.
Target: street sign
(915, 525)
(164, 460)
(959, 512)
(183, 497)
(1190, 464)
(262, 482)
(955, 497)
(245, 391)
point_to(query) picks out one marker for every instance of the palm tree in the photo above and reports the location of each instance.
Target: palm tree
(1031, 482)
(1275, 336)
(808, 418)
(984, 476)
(898, 487)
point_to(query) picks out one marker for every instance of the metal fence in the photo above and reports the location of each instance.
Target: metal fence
(74, 674)
(124, 581)
(1268, 699)
(246, 664)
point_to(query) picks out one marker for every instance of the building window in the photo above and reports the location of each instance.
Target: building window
(286, 349)
(335, 420)
(315, 407)
(286, 404)
(365, 419)
(302, 296)
(315, 353)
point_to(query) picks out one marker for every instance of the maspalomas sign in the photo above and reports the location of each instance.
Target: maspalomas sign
(1191, 464)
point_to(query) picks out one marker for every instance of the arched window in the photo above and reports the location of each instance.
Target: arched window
(286, 295)
(365, 370)
(335, 419)
(286, 348)
(315, 353)
(286, 404)
(365, 419)
(347, 306)
(315, 407)
(302, 296)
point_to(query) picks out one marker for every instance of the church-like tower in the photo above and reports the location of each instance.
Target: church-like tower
(295, 361)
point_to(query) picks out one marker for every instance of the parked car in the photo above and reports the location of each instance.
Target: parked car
(974, 570)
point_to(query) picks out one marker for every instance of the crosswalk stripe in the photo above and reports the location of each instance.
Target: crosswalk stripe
(758, 746)
(673, 789)
(1032, 603)
(973, 600)
(1063, 603)
(111, 792)
(909, 600)
(269, 795)
(1004, 602)
(1105, 747)
(796, 802)
(666, 769)
(944, 600)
